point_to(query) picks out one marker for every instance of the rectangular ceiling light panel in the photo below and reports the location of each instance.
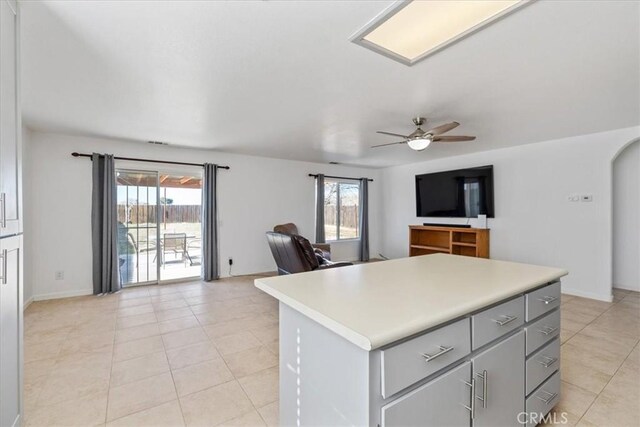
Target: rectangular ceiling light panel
(409, 31)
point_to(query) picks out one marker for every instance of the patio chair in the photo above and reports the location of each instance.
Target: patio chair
(176, 244)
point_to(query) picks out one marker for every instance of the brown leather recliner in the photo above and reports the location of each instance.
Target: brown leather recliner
(294, 254)
(290, 228)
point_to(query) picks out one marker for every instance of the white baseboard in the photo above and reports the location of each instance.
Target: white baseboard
(625, 288)
(590, 295)
(27, 303)
(65, 294)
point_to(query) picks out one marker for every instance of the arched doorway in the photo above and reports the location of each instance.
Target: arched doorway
(626, 218)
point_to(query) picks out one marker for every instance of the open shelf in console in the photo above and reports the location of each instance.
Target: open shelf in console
(426, 240)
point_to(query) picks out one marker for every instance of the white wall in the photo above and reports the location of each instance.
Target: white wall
(626, 219)
(253, 196)
(535, 223)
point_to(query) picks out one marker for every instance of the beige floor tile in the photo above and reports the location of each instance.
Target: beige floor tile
(137, 348)
(168, 305)
(236, 342)
(190, 355)
(584, 376)
(174, 313)
(574, 402)
(266, 334)
(140, 395)
(166, 415)
(270, 414)
(137, 320)
(261, 387)
(184, 337)
(139, 368)
(34, 371)
(137, 309)
(215, 405)
(156, 299)
(91, 343)
(598, 358)
(83, 382)
(87, 410)
(249, 361)
(607, 411)
(201, 376)
(178, 324)
(133, 302)
(39, 351)
(137, 332)
(250, 419)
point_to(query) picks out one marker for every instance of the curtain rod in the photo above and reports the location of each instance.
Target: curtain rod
(74, 154)
(315, 175)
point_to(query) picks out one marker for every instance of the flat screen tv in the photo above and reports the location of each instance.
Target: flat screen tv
(463, 193)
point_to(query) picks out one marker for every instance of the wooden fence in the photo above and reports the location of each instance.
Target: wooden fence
(145, 214)
(348, 216)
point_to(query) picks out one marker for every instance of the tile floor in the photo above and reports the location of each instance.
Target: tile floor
(206, 354)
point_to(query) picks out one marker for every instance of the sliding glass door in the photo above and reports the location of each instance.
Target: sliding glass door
(159, 226)
(137, 226)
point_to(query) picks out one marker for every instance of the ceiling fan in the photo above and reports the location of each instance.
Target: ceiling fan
(419, 139)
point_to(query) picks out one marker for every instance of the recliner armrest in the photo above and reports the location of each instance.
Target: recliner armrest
(334, 265)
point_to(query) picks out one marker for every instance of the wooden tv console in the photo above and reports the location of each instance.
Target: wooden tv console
(425, 240)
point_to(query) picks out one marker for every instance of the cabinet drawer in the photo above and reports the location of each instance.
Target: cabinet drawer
(490, 324)
(438, 403)
(542, 364)
(543, 331)
(543, 300)
(413, 360)
(543, 400)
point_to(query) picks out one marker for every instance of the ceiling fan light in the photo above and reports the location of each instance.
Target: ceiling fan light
(420, 144)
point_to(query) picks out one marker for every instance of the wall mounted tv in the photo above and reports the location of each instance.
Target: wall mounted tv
(463, 193)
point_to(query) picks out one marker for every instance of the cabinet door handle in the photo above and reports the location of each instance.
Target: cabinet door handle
(547, 300)
(548, 361)
(472, 405)
(549, 399)
(3, 278)
(506, 319)
(3, 210)
(485, 381)
(443, 350)
(547, 330)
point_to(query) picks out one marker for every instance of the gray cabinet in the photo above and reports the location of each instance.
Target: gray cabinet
(440, 402)
(499, 376)
(10, 125)
(10, 331)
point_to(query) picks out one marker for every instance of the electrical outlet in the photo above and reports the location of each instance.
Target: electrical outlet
(230, 261)
(59, 275)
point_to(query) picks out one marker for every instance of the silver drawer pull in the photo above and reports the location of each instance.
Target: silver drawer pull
(547, 330)
(548, 361)
(549, 399)
(3, 256)
(472, 406)
(485, 385)
(506, 319)
(3, 210)
(547, 300)
(443, 350)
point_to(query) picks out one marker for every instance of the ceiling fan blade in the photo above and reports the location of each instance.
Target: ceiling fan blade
(453, 138)
(392, 134)
(390, 143)
(443, 128)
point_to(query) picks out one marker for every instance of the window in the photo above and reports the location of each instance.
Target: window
(341, 210)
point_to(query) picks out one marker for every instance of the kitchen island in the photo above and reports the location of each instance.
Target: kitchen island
(432, 340)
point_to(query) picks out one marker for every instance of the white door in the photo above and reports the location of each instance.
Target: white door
(10, 332)
(10, 155)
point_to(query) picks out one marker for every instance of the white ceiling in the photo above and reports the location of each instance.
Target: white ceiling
(280, 78)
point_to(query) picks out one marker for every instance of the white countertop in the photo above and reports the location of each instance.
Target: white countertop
(377, 303)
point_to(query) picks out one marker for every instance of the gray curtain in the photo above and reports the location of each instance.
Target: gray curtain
(320, 209)
(210, 267)
(104, 226)
(364, 219)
